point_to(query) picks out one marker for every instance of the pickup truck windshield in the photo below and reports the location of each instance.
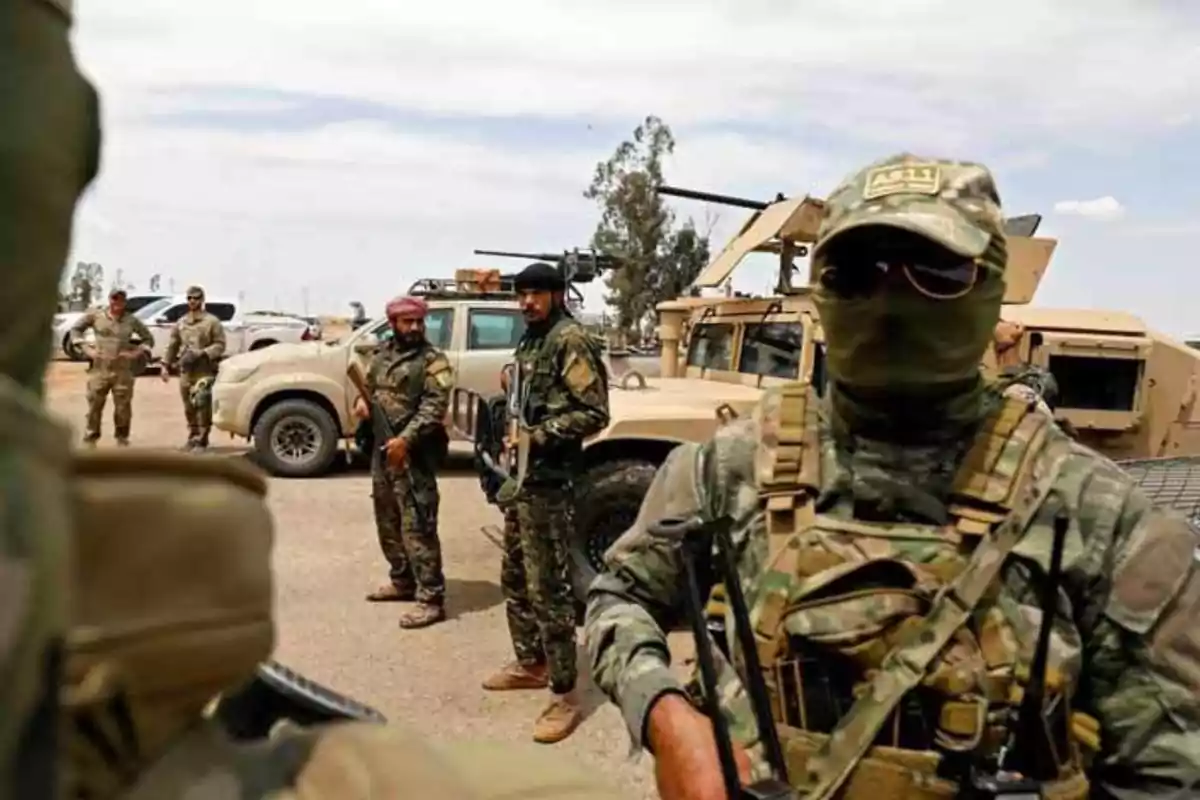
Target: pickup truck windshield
(711, 346)
(772, 349)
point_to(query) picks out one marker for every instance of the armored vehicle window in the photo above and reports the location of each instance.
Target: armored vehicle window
(772, 349)
(494, 329)
(1096, 384)
(819, 376)
(222, 311)
(711, 346)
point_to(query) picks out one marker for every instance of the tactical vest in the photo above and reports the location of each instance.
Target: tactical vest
(400, 402)
(889, 652)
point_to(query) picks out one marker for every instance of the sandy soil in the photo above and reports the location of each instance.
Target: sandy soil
(326, 559)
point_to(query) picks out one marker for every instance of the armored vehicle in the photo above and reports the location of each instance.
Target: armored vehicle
(1123, 388)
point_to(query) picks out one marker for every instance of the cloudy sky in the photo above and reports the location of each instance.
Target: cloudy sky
(341, 150)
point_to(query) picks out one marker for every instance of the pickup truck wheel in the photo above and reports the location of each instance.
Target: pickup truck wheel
(295, 439)
(72, 351)
(607, 500)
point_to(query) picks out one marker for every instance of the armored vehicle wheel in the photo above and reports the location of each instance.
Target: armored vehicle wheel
(296, 439)
(607, 500)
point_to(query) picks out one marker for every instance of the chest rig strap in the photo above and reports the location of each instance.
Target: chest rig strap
(996, 495)
(787, 466)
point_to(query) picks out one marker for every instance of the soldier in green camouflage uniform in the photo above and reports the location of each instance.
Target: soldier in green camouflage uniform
(111, 368)
(49, 152)
(901, 538)
(565, 388)
(196, 346)
(410, 380)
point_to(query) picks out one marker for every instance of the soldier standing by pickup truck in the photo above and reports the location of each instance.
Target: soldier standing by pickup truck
(111, 367)
(565, 384)
(409, 380)
(198, 342)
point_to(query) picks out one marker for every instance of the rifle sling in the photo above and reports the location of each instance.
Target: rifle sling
(905, 666)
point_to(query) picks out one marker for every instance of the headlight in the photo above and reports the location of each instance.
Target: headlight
(228, 374)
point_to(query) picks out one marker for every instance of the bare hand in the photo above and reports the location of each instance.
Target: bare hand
(360, 408)
(164, 373)
(397, 452)
(686, 764)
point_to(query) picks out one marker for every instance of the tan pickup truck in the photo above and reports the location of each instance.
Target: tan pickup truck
(293, 400)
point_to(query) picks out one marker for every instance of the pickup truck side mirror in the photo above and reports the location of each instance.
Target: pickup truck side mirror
(366, 344)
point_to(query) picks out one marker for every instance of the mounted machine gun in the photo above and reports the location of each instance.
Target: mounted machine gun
(575, 266)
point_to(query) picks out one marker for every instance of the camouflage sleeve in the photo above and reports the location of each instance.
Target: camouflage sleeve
(435, 400)
(643, 585)
(1139, 611)
(83, 323)
(216, 348)
(142, 331)
(586, 410)
(173, 345)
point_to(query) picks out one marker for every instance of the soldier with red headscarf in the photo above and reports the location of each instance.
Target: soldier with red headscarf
(409, 380)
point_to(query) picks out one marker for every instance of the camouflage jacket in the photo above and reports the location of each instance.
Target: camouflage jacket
(412, 386)
(112, 336)
(1125, 634)
(565, 387)
(202, 334)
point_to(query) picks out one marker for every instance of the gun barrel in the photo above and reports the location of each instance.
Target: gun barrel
(511, 254)
(709, 197)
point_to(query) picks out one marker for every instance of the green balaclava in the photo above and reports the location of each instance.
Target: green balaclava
(903, 355)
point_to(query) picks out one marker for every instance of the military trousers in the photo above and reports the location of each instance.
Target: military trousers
(406, 504)
(101, 382)
(49, 152)
(535, 577)
(197, 404)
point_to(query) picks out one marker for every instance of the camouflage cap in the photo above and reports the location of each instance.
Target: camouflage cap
(954, 203)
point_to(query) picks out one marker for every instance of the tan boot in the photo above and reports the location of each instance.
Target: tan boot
(558, 719)
(517, 676)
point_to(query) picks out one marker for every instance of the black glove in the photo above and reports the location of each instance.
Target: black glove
(188, 359)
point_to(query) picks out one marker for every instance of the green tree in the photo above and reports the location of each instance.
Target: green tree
(635, 224)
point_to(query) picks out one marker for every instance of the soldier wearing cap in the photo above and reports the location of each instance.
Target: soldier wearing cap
(566, 400)
(897, 549)
(196, 346)
(409, 380)
(111, 368)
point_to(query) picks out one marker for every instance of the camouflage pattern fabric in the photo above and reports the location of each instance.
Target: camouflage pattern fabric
(49, 153)
(199, 339)
(535, 578)
(566, 385)
(1030, 383)
(412, 386)
(111, 369)
(1125, 651)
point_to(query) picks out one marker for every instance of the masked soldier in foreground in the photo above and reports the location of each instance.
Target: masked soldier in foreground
(893, 547)
(49, 153)
(410, 381)
(111, 368)
(565, 400)
(196, 346)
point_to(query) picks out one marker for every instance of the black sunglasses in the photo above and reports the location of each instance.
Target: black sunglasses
(865, 261)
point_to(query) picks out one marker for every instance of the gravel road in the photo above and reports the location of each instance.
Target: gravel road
(326, 559)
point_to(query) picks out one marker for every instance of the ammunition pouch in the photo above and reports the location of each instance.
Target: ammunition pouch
(162, 619)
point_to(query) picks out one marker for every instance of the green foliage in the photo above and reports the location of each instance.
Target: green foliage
(635, 224)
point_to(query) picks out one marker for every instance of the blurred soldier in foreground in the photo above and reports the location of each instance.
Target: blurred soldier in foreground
(564, 399)
(196, 346)
(409, 380)
(894, 557)
(112, 367)
(49, 152)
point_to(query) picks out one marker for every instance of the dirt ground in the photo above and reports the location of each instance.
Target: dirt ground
(327, 557)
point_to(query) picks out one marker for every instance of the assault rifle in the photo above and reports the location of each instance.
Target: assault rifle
(277, 694)
(1018, 773)
(516, 449)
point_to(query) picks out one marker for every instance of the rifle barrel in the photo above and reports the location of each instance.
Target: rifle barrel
(511, 254)
(709, 197)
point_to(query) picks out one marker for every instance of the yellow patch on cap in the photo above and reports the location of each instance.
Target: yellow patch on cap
(902, 179)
